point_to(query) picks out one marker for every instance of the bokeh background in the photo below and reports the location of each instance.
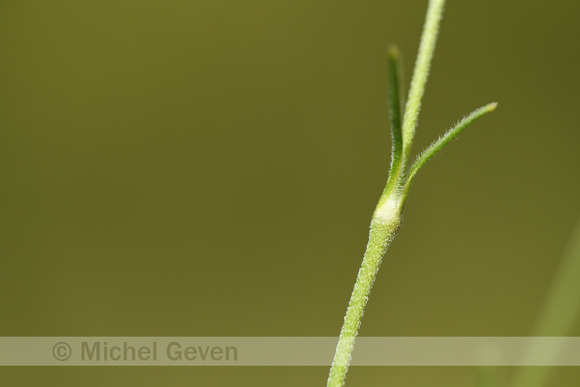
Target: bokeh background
(197, 168)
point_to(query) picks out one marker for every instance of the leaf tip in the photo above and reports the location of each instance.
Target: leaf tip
(491, 107)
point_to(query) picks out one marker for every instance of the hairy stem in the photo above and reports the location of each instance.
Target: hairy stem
(384, 226)
(421, 72)
(388, 215)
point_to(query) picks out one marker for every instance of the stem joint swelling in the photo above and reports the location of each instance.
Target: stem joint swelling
(388, 214)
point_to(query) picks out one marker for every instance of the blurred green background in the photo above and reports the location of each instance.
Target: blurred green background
(197, 168)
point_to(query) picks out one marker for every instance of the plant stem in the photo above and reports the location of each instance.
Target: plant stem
(386, 221)
(421, 72)
(388, 215)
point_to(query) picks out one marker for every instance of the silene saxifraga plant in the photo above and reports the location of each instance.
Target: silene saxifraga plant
(388, 214)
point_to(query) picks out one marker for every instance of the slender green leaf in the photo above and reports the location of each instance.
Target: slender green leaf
(395, 103)
(440, 143)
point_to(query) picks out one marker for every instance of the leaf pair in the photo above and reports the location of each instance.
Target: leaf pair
(403, 131)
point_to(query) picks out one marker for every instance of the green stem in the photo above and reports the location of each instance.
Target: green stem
(421, 72)
(389, 212)
(386, 221)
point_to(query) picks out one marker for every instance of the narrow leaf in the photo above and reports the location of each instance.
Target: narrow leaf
(435, 147)
(394, 100)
